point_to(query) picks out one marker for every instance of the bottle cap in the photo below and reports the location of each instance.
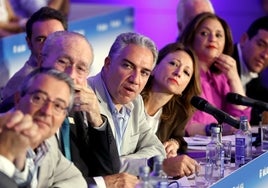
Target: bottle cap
(215, 129)
(243, 118)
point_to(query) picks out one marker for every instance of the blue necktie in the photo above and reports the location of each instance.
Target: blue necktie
(65, 134)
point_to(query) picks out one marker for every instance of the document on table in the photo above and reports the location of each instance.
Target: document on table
(199, 142)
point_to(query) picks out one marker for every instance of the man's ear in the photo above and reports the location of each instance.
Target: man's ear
(28, 40)
(243, 39)
(107, 62)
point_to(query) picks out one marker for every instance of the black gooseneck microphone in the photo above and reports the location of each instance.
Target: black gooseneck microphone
(221, 116)
(238, 99)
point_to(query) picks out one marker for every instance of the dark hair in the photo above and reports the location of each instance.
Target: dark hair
(260, 23)
(43, 14)
(193, 88)
(188, 35)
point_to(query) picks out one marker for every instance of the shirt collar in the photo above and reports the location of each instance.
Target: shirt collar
(39, 154)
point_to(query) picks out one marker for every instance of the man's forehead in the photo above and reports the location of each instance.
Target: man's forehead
(48, 84)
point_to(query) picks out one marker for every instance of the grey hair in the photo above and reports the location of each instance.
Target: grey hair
(181, 8)
(60, 38)
(124, 39)
(61, 76)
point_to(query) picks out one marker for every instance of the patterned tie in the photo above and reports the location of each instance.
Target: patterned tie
(65, 138)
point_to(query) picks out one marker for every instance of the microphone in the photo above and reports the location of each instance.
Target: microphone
(235, 98)
(221, 116)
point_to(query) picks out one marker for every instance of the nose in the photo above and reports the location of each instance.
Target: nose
(134, 77)
(212, 37)
(47, 108)
(264, 54)
(70, 70)
(177, 72)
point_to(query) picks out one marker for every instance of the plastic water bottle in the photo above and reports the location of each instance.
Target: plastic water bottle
(243, 143)
(144, 178)
(158, 178)
(215, 154)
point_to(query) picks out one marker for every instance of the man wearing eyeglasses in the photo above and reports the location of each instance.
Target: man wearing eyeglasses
(45, 108)
(93, 147)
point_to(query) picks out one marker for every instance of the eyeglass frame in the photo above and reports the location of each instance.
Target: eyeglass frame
(61, 110)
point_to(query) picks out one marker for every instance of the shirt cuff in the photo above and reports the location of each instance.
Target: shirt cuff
(100, 182)
(6, 166)
(103, 125)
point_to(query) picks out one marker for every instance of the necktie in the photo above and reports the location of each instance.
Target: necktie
(65, 138)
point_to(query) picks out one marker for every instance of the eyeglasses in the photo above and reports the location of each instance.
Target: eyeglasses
(81, 69)
(39, 98)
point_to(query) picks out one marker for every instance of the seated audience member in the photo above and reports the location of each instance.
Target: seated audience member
(167, 94)
(126, 70)
(210, 37)
(93, 152)
(44, 107)
(43, 22)
(10, 24)
(25, 8)
(251, 53)
(257, 89)
(188, 9)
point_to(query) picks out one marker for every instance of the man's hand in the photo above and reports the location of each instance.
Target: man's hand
(18, 133)
(121, 180)
(179, 166)
(86, 100)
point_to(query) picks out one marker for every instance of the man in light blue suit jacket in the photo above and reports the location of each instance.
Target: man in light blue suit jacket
(125, 73)
(38, 114)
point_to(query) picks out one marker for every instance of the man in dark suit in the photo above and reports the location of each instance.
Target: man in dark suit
(251, 55)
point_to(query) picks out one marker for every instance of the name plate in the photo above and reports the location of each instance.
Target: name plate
(253, 174)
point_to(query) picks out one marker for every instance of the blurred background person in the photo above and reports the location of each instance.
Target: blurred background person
(43, 22)
(188, 9)
(210, 37)
(167, 94)
(10, 23)
(25, 8)
(257, 89)
(251, 53)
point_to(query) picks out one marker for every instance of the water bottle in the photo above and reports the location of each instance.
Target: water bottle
(243, 143)
(144, 178)
(215, 154)
(158, 178)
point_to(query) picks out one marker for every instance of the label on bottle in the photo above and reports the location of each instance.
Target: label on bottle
(240, 145)
(240, 151)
